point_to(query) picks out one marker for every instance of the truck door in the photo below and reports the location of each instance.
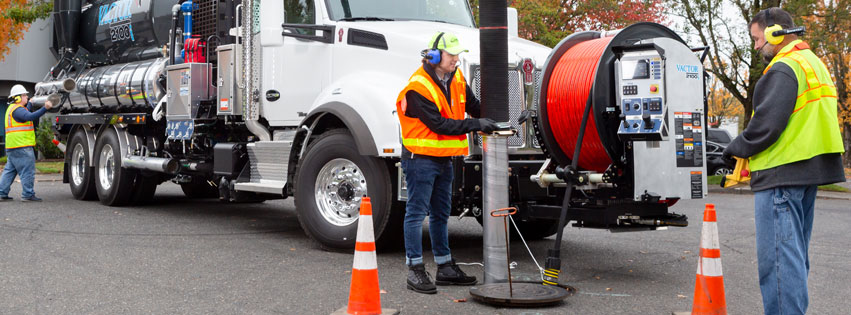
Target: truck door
(294, 69)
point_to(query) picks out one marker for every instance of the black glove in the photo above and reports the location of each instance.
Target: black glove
(728, 158)
(487, 125)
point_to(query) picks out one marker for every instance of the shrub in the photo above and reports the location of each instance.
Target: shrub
(44, 140)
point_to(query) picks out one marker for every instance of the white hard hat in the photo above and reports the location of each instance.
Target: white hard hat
(18, 89)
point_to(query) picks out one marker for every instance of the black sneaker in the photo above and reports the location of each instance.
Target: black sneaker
(6, 198)
(419, 280)
(33, 198)
(450, 274)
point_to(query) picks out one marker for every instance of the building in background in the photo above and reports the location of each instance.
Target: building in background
(26, 63)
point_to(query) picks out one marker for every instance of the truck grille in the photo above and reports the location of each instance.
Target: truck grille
(516, 103)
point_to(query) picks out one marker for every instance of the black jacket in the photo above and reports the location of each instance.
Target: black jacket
(426, 111)
(774, 101)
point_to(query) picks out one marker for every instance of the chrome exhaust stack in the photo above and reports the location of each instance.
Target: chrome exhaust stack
(156, 164)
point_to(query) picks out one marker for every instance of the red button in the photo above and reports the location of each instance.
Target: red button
(653, 88)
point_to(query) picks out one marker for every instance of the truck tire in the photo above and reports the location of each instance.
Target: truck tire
(199, 188)
(80, 175)
(332, 177)
(114, 183)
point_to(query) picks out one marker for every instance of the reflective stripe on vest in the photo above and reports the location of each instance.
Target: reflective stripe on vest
(18, 135)
(416, 136)
(813, 127)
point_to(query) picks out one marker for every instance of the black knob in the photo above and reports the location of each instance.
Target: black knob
(648, 124)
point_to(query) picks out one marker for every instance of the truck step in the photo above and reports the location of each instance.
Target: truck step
(268, 162)
(267, 187)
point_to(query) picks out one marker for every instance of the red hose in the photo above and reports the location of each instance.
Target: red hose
(568, 91)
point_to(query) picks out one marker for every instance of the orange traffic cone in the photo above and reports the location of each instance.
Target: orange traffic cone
(709, 287)
(364, 295)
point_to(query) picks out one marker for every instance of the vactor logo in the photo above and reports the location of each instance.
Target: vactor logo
(114, 12)
(691, 71)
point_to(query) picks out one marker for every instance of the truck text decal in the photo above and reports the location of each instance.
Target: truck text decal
(114, 12)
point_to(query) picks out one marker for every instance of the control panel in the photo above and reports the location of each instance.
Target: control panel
(640, 82)
(659, 94)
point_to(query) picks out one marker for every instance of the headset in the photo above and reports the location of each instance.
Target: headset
(774, 33)
(433, 55)
(15, 99)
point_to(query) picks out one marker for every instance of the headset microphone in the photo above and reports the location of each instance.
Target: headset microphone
(774, 33)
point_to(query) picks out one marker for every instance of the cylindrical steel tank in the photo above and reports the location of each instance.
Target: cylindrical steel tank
(112, 88)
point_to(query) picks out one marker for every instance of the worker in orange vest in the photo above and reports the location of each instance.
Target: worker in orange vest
(431, 110)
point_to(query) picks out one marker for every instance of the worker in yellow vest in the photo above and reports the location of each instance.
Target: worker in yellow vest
(431, 111)
(794, 144)
(20, 144)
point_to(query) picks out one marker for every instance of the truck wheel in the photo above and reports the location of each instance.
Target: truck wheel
(332, 178)
(199, 188)
(80, 174)
(114, 183)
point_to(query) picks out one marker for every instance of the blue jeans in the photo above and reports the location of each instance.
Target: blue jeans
(784, 223)
(429, 194)
(19, 162)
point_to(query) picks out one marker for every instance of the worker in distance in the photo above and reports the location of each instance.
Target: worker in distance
(20, 144)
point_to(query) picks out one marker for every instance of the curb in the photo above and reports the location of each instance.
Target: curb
(746, 191)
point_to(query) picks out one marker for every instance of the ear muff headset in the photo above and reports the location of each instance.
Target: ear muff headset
(433, 54)
(16, 99)
(771, 28)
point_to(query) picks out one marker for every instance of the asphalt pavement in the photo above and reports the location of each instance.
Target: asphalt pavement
(184, 256)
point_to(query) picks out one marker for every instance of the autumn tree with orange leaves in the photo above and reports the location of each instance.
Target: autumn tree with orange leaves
(10, 31)
(549, 21)
(16, 17)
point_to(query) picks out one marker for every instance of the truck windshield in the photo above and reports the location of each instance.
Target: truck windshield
(444, 11)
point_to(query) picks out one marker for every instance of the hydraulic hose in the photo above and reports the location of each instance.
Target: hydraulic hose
(568, 91)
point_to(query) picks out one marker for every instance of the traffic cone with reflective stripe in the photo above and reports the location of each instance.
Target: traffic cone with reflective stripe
(59, 145)
(364, 294)
(709, 287)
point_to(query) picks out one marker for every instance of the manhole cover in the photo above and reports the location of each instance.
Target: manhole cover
(523, 294)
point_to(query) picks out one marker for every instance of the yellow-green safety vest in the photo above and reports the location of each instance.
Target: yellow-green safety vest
(18, 135)
(813, 127)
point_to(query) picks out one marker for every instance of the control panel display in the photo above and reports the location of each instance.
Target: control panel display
(635, 69)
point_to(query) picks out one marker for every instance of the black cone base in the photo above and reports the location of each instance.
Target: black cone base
(525, 294)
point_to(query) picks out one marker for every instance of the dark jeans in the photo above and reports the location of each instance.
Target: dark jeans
(429, 194)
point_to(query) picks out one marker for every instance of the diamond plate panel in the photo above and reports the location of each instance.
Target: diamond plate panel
(516, 103)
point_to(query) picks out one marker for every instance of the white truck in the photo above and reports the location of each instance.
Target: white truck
(266, 99)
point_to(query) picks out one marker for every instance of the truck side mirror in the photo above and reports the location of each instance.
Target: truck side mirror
(512, 22)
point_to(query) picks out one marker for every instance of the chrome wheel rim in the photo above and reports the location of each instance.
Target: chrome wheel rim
(723, 171)
(78, 164)
(340, 186)
(106, 166)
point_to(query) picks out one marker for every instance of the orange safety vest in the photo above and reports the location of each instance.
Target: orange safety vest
(416, 136)
(18, 135)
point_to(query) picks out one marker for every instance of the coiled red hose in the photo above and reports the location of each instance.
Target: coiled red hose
(567, 93)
